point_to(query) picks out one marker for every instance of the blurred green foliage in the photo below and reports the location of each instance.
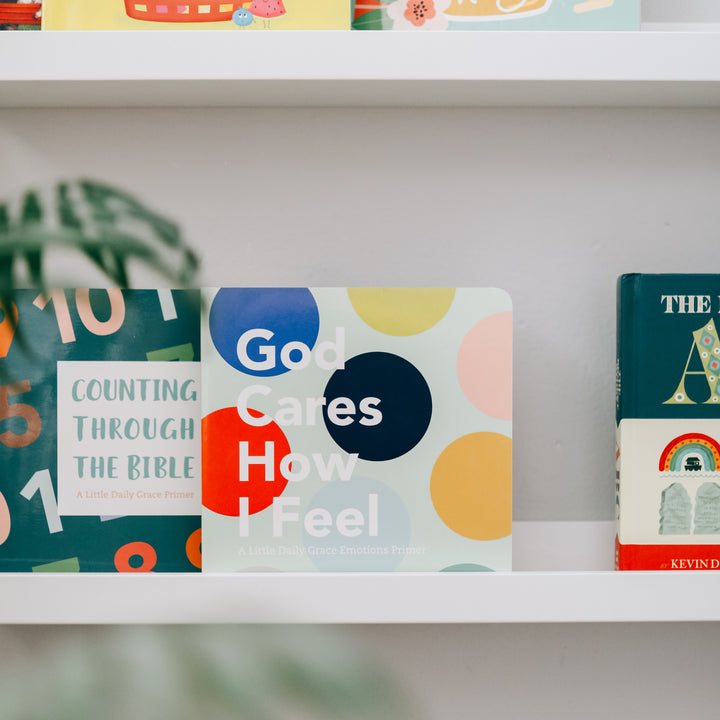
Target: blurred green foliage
(205, 672)
(108, 227)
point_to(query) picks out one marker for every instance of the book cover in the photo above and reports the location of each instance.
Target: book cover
(668, 422)
(492, 15)
(357, 429)
(196, 15)
(100, 431)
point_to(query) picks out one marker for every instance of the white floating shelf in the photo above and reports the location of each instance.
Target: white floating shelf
(558, 595)
(336, 68)
(360, 598)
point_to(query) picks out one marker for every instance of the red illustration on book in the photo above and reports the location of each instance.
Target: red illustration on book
(189, 11)
(204, 10)
(20, 12)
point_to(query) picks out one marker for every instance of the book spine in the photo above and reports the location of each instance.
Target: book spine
(625, 405)
(625, 400)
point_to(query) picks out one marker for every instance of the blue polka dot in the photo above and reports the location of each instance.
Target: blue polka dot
(267, 319)
(348, 544)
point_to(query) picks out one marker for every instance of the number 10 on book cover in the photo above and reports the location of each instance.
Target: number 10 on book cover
(360, 429)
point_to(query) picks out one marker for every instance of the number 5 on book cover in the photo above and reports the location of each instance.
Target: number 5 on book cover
(361, 429)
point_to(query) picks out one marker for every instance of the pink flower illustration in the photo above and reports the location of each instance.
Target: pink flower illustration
(419, 14)
(419, 11)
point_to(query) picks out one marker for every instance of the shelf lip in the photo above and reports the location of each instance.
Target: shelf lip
(342, 55)
(341, 68)
(360, 598)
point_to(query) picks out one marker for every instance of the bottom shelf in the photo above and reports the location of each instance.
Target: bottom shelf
(563, 575)
(361, 598)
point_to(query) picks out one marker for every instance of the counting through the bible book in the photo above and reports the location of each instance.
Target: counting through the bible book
(99, 431)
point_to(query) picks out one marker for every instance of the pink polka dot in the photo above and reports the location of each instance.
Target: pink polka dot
(484, 366)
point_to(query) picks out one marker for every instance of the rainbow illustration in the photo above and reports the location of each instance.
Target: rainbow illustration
(693, 451)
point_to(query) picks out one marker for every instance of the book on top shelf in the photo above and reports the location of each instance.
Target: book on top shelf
(358, 429)
(488, 15)
(235, 15)
(668, 422)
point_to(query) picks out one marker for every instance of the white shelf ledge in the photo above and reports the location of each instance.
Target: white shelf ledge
(560, 593)
(361, 598)
(333, 68)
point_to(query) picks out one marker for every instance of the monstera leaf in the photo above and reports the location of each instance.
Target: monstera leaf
(104, 225)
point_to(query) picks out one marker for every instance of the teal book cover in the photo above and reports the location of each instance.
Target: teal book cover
(496, 15)
(668, 422)
(357, 430)
(99, 403)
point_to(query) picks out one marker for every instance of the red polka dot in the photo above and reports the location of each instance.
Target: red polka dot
(223, 431)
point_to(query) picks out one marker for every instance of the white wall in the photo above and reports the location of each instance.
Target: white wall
(552, 672)
(551, 205)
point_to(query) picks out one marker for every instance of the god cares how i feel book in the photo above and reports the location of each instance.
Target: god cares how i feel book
(361, 429)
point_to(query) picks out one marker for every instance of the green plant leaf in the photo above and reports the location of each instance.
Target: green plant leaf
(372, 20)
(108, 226)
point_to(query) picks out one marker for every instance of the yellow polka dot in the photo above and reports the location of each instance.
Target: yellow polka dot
(471, 486)
(401, 311)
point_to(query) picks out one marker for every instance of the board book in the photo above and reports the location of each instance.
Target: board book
(357, 429)
(668, 422)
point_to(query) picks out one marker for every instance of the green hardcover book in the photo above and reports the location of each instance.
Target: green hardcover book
(668, 422)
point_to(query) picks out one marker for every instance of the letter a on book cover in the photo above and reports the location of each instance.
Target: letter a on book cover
(668, 422)
(361, 429)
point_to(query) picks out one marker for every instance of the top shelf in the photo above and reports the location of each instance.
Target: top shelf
(655, 67)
